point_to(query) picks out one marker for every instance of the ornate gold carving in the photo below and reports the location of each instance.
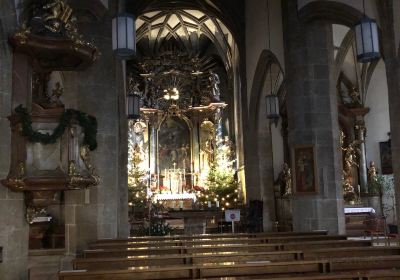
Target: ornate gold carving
(22, 34)
(76, 179)
(16, 181)
(372, 177)
(34, 212)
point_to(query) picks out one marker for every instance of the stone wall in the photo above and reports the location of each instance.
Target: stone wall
(13, 227)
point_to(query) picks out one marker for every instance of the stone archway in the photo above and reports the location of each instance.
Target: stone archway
(260, 179)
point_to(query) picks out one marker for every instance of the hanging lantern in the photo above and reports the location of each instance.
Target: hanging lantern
(124, 35)
(272, 107)
(133, 106)
(367, 40)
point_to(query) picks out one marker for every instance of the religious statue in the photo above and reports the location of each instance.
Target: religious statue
(57, 92)
(209, 147)
(350, 157)
(214, 84)
(287, 180)
(57, 12)
(372, 177)
(355, 96)
(133, 86)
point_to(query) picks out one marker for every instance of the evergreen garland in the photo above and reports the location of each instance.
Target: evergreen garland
(87, 122)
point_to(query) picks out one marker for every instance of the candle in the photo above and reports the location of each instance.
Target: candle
(180, 204)
(217, 203)
(209, 204)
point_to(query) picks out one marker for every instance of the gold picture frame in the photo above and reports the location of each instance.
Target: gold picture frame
(305, 171)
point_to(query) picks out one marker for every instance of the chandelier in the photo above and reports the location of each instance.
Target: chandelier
(171, 94)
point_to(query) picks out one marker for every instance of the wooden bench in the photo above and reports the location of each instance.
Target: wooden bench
(255, 240)
(122, 263)
(327, 253)
(335, 265)
(200, 271)
(211, 236)
(174, 250)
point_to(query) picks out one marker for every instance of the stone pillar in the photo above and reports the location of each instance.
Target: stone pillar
(99, 93)
(14, 230)
(392, 64)
(313, 118)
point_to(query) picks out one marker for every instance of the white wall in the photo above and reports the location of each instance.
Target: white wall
(256, 42)
(377, 120)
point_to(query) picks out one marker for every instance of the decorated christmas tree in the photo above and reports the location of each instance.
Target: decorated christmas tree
(137, 182)
(222, 185)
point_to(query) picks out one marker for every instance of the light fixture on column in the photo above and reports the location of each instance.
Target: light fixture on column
(272, 101)
(132, 106)
(124, 35)
(367, 39)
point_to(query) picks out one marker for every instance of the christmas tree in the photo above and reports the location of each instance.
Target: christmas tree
(222, 185)
(137, 187)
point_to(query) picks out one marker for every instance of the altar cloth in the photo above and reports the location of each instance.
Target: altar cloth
(356, 210)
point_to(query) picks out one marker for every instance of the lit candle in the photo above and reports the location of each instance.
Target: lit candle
(209, 204)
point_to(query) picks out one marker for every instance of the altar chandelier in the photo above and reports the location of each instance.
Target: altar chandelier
(171, 94)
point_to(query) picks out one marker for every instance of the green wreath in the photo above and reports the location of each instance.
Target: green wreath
(87, 122)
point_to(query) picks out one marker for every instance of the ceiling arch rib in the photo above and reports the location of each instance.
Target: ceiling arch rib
(188, 27)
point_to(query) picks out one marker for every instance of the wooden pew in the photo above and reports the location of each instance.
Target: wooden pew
(173, 250)
(327, 253)
(211, 236)
(256, 240)
(123, 263)
(200, 271)
(333, 266)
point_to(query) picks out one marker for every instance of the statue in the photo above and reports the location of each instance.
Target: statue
(214, 84)
(350, 157)
(57, 92)
(355, 96)
(57, 13)
(287, 180)
(372, 177)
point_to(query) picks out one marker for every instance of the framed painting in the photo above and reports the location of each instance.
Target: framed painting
(305, 175)
(386, 157)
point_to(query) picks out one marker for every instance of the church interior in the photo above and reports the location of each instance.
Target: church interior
(199, 139)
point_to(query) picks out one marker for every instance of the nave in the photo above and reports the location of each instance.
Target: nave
(274, 255)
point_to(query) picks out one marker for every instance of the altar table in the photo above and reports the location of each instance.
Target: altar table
(195, 220)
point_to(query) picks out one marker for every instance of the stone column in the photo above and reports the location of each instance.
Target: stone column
(14, 230)
(313, 118)
(392, 64)
(99, 93)
(360, 128)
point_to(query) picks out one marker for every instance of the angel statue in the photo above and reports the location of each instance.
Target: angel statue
(214, 84)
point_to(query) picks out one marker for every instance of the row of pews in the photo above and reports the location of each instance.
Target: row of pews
(284, 255)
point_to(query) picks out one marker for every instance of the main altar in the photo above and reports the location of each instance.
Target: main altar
(179, 136)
